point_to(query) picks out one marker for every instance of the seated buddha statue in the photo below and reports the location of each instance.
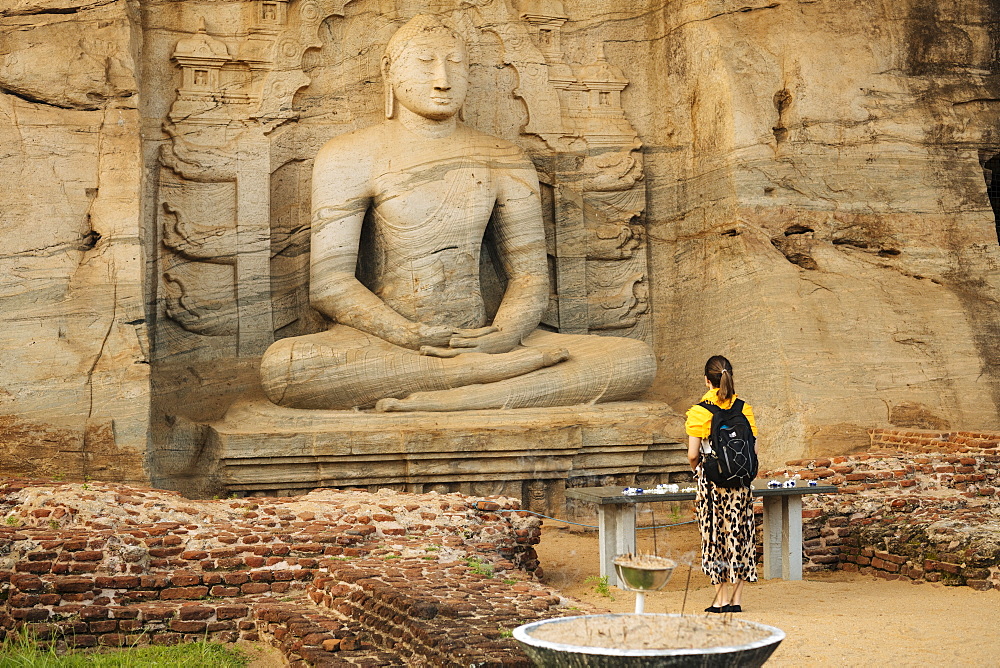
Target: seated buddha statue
(416, 335)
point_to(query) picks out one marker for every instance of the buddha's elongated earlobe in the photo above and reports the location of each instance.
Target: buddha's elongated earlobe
(390, 101)
(390, 96)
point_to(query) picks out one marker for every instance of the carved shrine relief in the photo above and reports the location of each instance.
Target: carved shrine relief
(596, 242)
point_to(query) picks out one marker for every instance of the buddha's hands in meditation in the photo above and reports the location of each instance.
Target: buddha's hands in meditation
(478, 340)
(419, 335)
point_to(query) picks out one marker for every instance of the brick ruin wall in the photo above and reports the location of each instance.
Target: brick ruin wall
(920, 506)
(352, 578)
(317, 575)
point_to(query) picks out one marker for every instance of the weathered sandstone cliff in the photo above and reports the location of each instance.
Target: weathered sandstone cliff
(810, 198)
(74, 376)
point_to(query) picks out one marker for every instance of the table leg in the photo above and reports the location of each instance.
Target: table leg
(616, 534)
(772, 536)
(791, 537)
(783, 537)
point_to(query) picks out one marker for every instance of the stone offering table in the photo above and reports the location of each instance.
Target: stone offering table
(782, 523)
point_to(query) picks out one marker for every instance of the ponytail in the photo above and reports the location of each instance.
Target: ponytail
(726, 389)
(719, 372)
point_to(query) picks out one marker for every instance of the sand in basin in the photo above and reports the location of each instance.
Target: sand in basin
(650, 632)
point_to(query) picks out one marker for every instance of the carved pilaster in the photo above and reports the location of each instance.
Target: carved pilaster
(235, 86)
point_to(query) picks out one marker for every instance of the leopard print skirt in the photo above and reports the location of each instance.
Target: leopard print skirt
(725, 517)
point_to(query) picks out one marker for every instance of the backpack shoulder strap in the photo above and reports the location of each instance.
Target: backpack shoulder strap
(737, 407)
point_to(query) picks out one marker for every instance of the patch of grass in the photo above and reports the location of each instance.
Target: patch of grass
(479, 567)
(391, 556)
(431, 548)
(21, 651)
(509, 581)
(601, 586)
(13, 521)
(509, 633)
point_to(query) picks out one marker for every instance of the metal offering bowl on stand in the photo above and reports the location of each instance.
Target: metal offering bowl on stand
(642, 573)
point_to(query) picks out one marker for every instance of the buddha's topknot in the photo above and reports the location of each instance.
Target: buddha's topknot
(419, 24)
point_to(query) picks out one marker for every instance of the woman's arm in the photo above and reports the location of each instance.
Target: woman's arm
(694, 451)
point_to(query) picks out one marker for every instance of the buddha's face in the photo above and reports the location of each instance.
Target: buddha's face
(430, 75)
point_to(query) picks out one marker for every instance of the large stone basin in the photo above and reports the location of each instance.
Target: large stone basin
(552, 654)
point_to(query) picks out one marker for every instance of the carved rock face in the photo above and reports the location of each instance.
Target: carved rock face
(430, 76)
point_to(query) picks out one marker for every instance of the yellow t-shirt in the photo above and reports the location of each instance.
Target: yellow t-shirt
(699, 418)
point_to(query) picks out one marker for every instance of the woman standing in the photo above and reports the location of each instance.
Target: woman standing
(725, 516)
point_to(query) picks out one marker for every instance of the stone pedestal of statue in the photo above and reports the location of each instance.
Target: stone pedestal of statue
(531, 453)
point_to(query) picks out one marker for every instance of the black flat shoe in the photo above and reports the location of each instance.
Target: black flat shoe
(713, 608)
(732, 608)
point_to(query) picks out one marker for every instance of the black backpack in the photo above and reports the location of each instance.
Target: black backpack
(732, 462)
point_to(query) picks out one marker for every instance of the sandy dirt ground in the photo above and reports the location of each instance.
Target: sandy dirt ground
(261, 655)
(831, 619)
